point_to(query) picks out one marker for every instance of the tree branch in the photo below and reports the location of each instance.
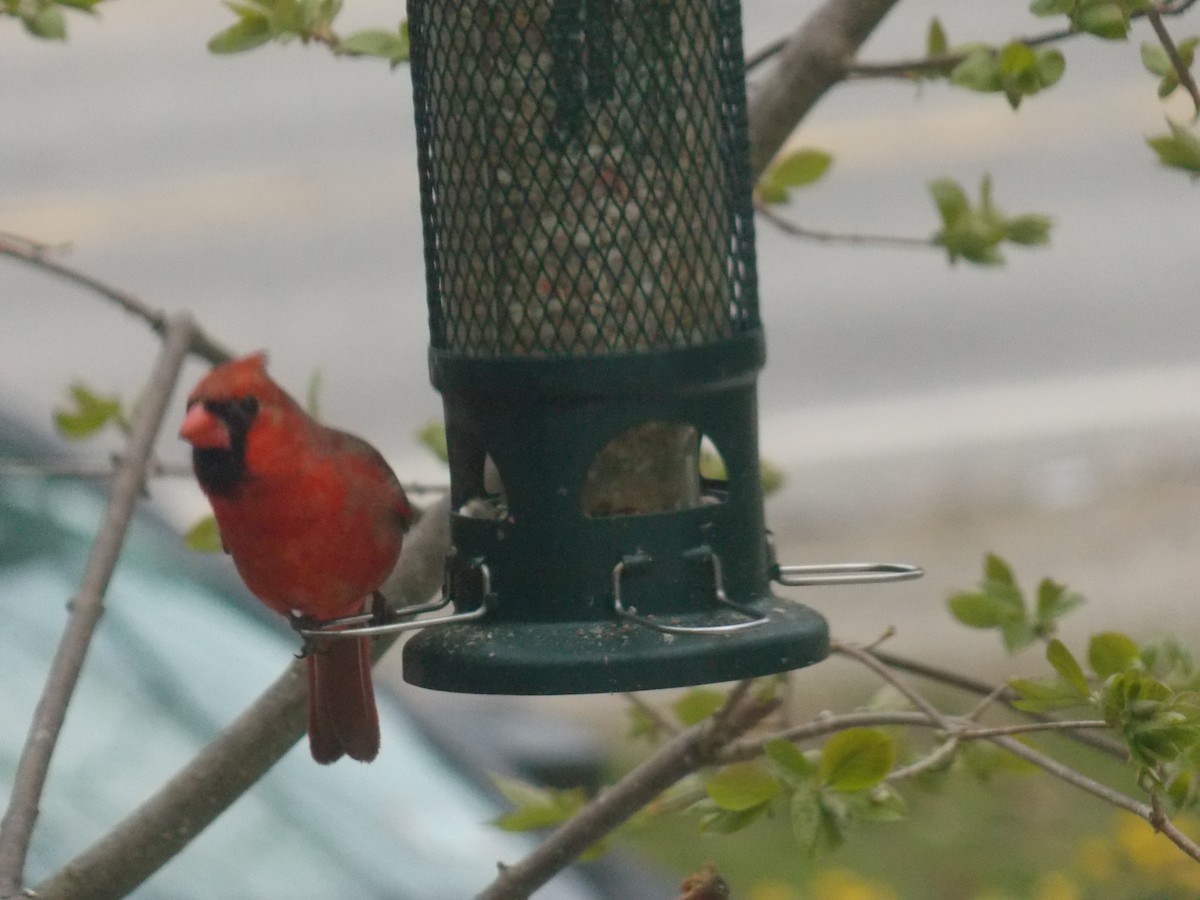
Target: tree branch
(693, 749)
(943, 63)
(829, 237)
(985, 689)
(87, 606)
(814, 59)
(1168, 44)
(38, 256)
(164, 824)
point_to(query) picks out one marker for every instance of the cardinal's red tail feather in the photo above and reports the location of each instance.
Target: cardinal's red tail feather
(342, 718)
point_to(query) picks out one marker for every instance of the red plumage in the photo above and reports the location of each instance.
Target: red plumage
(314, 520)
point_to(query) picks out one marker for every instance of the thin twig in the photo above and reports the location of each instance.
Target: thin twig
(942, 63)
(87, 606)
(939, 756)
(986, 689)
(1060, 725)
(653, 713)
(878, 240)
(986, 703)
(1184, 74)
(19, 468)
(38, 256)
(1065, 773)
(915, 697)
(692, 749)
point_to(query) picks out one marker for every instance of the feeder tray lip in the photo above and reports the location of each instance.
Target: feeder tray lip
(736, 358)
(546, 658)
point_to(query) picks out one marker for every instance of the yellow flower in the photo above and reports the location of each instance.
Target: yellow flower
(1057, 886)
(840, 884)
(773, 889)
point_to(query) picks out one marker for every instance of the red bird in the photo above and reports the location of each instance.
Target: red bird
(313, 518)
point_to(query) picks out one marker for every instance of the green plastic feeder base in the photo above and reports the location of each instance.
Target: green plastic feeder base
(604, 657)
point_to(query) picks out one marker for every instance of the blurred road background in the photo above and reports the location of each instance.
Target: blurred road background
(1048, 410)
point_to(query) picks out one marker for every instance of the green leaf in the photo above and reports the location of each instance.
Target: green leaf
(204, 536)
(792, 762)
(980, 610)
(1017, 57)
(245, 34)
(1105, 20)
(697, 705)
(951, 200)
(1029, 229)
(936, 42)
(742, 786)
(979, 71)
(806, 818)
(1018, 634)
(47, 22)
(433, 437)
(1110, 653)
(535, 807)
(1051, 65)
(1054, 600)
(800, 167)
(1044, 694)
(997, 569)
(770, 477)
(90, 414)
(856, 759)
(389, 45)
(1068, 667)
(714, 819)
(1051, 7)
(1180, 149)
(1155, 59)
(769, 192)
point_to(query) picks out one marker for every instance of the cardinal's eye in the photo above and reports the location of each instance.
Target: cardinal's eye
(248, 406)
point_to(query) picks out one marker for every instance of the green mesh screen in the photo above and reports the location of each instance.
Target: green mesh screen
(585, 187)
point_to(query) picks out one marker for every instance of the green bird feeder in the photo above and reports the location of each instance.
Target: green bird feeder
(593, 311)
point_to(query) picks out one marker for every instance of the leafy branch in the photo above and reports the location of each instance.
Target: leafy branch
(44, 18)
(309, 21)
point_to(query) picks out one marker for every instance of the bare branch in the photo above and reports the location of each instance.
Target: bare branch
(871, 662)
(1168, 44)
(830, 237)
(24, 468)
(86, 607)
(224, 770)
(699, 746)
(651, 712)
(1156, 817)
(1060, 725)
(38, 256)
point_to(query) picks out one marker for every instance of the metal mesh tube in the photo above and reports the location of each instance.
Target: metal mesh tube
(584, 181)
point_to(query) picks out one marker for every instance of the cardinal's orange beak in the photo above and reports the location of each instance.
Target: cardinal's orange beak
(203, 430)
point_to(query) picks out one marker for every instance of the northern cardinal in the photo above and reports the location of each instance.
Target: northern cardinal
(313, 518)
